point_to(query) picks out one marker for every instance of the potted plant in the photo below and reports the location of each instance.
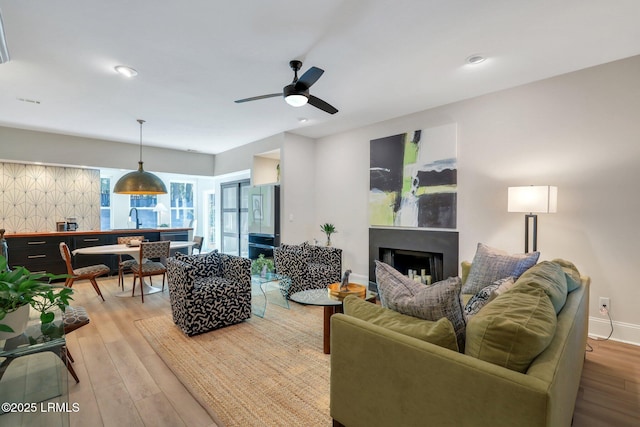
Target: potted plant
(21, 289)
(262, 265)
(328, 229)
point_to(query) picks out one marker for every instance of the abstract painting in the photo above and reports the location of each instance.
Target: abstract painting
(413, 179)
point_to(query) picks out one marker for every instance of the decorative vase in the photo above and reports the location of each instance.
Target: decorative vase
(328, 239)
(16, 320)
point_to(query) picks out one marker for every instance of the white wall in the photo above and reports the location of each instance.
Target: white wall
(297, 179)
(241, 158)
(297, 189)
(579, 131)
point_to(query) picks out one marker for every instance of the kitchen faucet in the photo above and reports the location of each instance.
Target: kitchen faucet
(138, 223)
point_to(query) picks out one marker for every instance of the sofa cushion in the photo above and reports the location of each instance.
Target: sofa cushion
(571, 273)
(438, 332)
(429, 302)
(549, 277)
(203, 283)
(513, 330)
(491, 264)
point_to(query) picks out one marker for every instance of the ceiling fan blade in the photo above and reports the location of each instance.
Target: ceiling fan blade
(324, 106)
(308, 78)
(255, 98)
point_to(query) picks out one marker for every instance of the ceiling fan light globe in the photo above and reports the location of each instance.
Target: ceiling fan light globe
(296, 100)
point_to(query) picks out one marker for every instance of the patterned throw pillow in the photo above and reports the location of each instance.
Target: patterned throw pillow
(433, 302)
(491, 264)
(479, 300)
(503, 286)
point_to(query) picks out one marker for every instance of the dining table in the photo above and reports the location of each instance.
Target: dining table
(134, 252)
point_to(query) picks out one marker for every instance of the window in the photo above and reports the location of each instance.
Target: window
(210, 224)
(182, 209)
(235, 214)
(105, 203)
(144, 205)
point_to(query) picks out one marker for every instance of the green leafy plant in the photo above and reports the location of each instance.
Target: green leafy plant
(21, 287)
(258, 264)
(328, 229)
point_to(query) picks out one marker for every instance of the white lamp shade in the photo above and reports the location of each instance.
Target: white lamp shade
(533, 199)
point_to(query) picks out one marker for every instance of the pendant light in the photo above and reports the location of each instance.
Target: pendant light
(140, 182)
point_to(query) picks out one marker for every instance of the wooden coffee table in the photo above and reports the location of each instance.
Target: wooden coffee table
(331, 306)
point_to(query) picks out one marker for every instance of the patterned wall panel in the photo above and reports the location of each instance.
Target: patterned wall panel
(34, 197)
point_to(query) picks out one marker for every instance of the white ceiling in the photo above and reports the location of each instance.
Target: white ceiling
(382, 59)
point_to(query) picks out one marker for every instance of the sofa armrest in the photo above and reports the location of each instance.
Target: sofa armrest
(179, 275)
(381, 378)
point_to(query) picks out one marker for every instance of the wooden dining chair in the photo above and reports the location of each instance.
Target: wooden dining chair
(149, 250)
(198, 244)
(73, 318)
(124, 265)
(90, 272)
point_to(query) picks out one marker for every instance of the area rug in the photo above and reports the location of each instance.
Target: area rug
(267, 371)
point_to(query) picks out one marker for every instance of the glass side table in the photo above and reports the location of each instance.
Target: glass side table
(260, 292)
(33, 376)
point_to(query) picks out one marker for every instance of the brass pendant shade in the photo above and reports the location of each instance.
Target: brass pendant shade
(140, 182)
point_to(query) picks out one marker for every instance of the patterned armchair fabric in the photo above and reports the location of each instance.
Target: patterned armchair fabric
(308, 266)
(209, 291)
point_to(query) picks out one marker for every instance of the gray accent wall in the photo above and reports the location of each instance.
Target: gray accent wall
(65, 150)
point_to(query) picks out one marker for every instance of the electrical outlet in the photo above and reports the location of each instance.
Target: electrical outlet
(605, 305)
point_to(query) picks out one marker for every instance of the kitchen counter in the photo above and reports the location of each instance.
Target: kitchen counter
(39, 251)
(118, 231)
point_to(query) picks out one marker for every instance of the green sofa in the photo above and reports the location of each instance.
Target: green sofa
(384, 378)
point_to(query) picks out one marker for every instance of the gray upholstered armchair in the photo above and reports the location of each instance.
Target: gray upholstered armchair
(209, 291)
(308, 266)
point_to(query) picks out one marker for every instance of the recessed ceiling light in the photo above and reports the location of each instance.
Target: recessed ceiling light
(303, 120)
(125, 71)
(475, 59)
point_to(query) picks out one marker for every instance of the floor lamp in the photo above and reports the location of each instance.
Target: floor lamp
(531, 200)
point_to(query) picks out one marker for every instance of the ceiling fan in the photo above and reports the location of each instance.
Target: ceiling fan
(297, 93)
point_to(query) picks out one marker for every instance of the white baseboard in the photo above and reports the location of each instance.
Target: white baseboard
(600, 327)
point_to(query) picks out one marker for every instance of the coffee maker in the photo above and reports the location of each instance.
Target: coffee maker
(72, 224)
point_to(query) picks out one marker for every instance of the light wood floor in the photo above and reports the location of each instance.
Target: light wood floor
(609, 393)
(124, 383)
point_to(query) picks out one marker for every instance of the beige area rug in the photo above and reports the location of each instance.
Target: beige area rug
(262, 372)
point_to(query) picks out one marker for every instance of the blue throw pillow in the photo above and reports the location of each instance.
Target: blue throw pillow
(490, 264)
